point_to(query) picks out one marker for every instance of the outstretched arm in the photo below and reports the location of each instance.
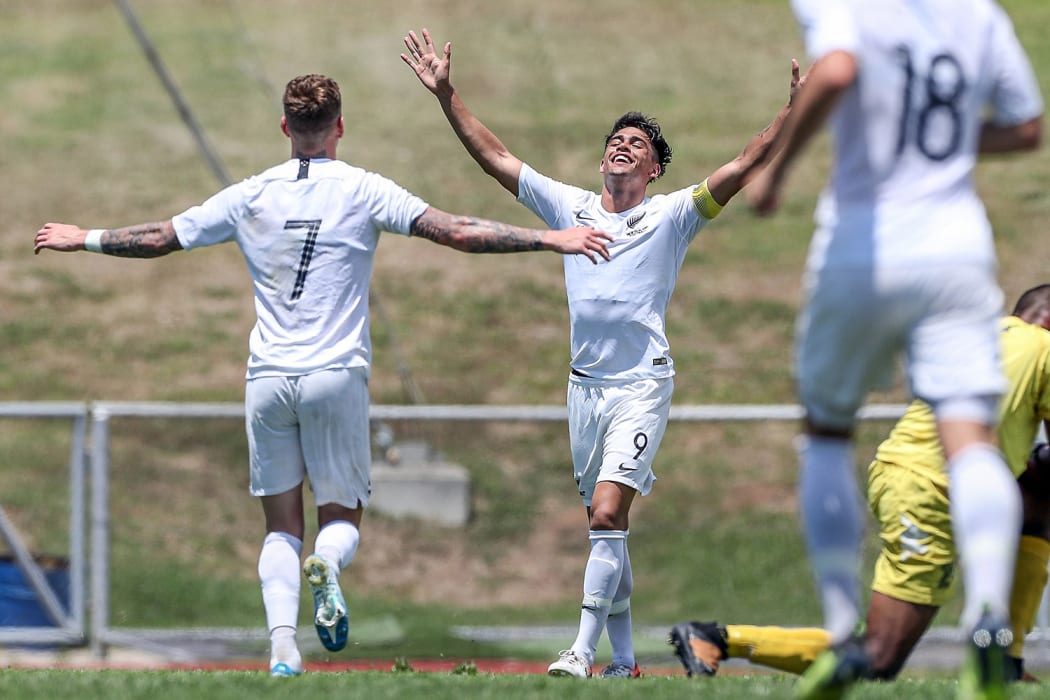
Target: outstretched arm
(828, 79)
(483, 146)
(139, 241)
(729, 179)
(473, 235)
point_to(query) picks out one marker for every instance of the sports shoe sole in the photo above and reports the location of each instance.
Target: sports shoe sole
(680, 638)
(333, 635)
(563, 673)
(983, 674)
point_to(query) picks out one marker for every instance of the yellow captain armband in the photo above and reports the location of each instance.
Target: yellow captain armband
(705, 204)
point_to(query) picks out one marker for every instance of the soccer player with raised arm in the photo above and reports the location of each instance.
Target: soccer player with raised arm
(308, 230)
(620, 368)
(908, 495)
(903, 261)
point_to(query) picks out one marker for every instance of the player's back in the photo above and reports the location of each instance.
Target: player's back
(308, 231)
(310, 242)
(907, 132)
(1026, 360)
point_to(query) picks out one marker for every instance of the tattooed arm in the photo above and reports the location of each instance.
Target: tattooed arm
(139, 241)
(472, 235)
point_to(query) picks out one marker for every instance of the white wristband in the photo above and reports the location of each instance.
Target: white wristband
(93, 240)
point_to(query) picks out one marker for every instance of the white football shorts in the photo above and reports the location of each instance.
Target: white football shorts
(311, 426)
(857, 322)
(615, 429)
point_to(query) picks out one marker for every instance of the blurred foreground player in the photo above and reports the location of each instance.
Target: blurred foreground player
(903, 263)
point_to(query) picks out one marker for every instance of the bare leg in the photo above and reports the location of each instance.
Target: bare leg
(894, 628)
(284, 512)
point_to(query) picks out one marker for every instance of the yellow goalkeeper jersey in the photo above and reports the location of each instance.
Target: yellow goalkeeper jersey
(1025, 350)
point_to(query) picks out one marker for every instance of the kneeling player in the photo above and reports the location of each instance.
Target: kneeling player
(908, 494)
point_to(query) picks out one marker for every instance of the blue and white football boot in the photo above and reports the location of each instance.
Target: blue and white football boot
(330, 618)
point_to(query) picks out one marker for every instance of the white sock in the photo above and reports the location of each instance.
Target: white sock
(337, 543)
(283, 648)
(280, 578)
(986, 518)
(618, 624)
(600, 580)
(834, 528)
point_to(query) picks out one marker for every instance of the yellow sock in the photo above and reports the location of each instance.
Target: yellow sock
(789, 649)
(1030, 575)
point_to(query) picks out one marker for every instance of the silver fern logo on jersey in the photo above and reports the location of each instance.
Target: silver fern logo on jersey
(633, 221)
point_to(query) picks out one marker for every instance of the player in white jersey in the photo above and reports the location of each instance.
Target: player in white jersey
(621, 371)
(903, 262)
(308, 230)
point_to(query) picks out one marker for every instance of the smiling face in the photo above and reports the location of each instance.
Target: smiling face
(630, 152)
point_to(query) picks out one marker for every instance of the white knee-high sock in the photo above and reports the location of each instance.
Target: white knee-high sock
(834, 528)
(337, 543)
(280, 578)
(600, 580)
(618, 624)
(986, 518)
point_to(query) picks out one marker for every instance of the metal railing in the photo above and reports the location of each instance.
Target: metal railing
(71, 629)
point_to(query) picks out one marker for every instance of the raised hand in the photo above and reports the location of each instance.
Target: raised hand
(796, 81)
(431, 69)
(763, 195)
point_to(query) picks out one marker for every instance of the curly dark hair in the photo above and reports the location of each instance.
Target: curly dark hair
(1036, 299)
(651, 127)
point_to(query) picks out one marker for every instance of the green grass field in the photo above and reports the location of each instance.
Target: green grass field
(374, 685)
(91, 138)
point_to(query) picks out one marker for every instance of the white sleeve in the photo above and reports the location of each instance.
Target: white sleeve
(549, 199)
(214, 221)
(826, 25)
(1015, 97)
(691, 208)
(392, 207)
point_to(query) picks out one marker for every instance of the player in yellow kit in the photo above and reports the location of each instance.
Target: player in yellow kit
(908, 494)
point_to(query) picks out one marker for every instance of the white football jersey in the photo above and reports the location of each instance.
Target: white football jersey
(308, 232)
(617, 307)
(906, 133)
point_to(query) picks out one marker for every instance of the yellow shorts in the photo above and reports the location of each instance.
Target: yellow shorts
(916, 562)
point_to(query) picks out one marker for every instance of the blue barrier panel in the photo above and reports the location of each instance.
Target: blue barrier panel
(18, 602)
